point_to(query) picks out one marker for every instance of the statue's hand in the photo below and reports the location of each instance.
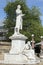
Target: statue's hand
(22, 14)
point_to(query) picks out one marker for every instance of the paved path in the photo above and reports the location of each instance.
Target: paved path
(41, 63)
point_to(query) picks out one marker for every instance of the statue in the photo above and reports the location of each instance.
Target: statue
(28, 46)
(18, 19)
(28, 51)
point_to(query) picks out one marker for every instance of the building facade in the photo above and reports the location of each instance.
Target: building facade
(2, 33)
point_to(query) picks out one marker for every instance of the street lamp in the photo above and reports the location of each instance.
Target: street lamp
(41, 38)
(32, 41)
(41, 42)
(41, 54)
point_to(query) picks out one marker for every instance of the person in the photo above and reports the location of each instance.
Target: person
(19, 18)
(37, 50)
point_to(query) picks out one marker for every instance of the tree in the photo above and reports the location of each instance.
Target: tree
(31, 20)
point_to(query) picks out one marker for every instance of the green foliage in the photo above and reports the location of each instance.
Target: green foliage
(31, 20)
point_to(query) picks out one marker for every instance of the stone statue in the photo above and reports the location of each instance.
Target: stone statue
(28, 46)
(29, 52)
(18, 19)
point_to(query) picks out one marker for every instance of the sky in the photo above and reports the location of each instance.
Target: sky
(30, 3)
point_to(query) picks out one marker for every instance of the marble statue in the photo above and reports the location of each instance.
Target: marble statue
(27, 46)
(19, 19)
(29, 52)
(20, 52)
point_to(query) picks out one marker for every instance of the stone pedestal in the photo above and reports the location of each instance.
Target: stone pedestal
(15, 59)
(15, 55)
(17, 43)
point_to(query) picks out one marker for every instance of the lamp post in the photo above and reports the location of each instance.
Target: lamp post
(32, 41)
(41, 42)
(41, 54)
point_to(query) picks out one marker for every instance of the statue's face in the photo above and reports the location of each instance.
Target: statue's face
(19, 6)
(28, 43)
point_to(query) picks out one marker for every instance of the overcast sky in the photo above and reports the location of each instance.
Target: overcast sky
(30, 3)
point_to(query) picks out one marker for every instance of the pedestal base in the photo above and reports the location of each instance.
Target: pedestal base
(17, 59)
(17, 43)
(41, 57)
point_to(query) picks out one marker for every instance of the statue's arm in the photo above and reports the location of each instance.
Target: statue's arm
(22, 14)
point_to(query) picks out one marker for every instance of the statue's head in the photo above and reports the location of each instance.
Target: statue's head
(28, 42)
(19, 6)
